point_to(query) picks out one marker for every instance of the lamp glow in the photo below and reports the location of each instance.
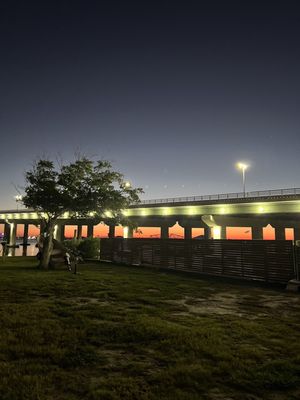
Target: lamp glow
(18, 198)
(127, 184)
(243, 167)
(217, 232)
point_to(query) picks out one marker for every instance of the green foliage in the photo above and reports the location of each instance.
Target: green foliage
(72, 244)
(88, 248)
(82, 188)
(79, 188)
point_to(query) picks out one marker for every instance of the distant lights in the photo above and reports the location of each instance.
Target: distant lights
(127, 185)
(18, 198)
(191, 210)
(166, 211)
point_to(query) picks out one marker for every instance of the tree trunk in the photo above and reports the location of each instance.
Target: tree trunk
(47, 245)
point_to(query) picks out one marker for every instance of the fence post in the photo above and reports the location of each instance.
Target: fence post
(163, 251)
(296, 259)
(294, 284)
(132, 248)
(152, 254)
(265, 244)
(188, 244)
(242, 258)
(222, 243)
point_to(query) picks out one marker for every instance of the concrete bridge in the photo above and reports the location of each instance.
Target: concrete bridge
(279, 208)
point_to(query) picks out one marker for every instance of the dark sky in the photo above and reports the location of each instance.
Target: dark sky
(173, 93)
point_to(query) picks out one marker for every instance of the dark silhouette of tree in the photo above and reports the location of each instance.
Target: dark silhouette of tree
(81, 188)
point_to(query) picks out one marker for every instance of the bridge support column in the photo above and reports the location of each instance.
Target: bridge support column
(223, 232)
(128, 232)
(56, 233)
(90, 230)
(257, 233)
(188, 232)
(296, 233)
(111, 232)
(279, 233)
(7, 232)
(207, 233)
(59, 232)
(164, 232)
(25, 240)
(12, 238)
(62, 232)
(79, 231)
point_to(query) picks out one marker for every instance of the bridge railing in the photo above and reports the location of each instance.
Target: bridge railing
(225, 196)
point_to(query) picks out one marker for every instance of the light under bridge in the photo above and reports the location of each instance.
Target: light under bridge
(214, 213)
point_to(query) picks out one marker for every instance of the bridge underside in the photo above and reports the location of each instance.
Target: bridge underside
(212, 217)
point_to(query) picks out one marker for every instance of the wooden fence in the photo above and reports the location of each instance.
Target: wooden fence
(270, 261)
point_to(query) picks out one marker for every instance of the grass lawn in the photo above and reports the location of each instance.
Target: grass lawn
(116, 332)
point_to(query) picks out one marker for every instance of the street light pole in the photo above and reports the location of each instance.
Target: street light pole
(244, 181)
(243, 168)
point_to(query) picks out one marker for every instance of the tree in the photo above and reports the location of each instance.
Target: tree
(81, 188)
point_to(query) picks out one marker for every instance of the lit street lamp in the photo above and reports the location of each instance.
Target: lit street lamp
(243, 168)
(127, 185)
(18, 198)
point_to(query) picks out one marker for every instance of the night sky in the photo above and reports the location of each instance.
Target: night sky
(173, 93)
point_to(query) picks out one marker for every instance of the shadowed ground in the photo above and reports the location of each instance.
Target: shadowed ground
(116, 332)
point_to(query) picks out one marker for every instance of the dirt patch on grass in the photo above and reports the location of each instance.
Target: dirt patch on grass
(217, 304)
(82, 301)
(271, 301)
(236, 304)
(118, 359)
